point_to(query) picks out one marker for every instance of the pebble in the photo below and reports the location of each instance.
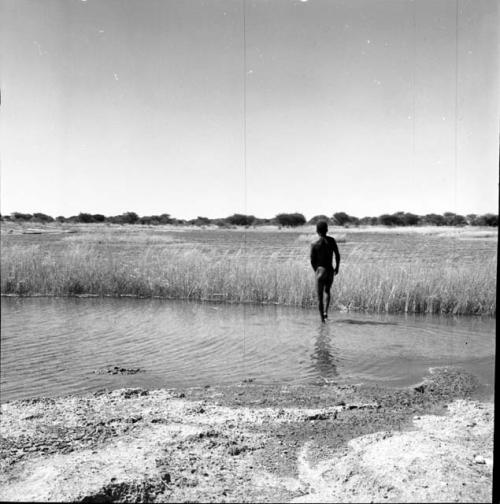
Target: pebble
(479, 459)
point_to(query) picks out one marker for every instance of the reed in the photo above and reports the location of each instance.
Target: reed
(200, 273)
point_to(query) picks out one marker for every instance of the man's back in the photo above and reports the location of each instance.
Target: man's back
(321, 260)
(322, 252)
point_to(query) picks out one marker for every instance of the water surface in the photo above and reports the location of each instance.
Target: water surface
(53, 346)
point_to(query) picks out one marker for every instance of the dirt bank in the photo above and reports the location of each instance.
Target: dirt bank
(432, 443)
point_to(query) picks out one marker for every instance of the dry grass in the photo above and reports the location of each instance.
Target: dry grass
(445, 231)
(143, 238)
(148, 264)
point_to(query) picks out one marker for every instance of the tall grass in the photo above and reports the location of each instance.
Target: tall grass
(200, 274)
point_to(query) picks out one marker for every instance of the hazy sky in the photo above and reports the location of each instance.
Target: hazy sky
(362, 106)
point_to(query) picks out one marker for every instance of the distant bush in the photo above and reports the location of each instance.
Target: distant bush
(433, 219)
(408, 218)
(290, 220)
(222, 223)
(369, 221)
(200, 221)
(487, 220)
(165, 218)
(98, 217)
(452, 219)
(85, 218)
(21, 216)
(340, 218)
(343, 219)
(471, 218)
(149, 220)
(156, 220)
(129, 218)
(240, 220)
(41, 217)
(390, 220)
(124, 218)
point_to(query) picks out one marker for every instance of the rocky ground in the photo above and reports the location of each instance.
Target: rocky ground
(253, 443)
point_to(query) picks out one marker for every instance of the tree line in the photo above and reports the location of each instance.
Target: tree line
(282, 219)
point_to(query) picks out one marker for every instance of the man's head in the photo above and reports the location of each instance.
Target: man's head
(322, 228)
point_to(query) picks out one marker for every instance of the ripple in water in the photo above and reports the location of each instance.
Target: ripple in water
(54, 346)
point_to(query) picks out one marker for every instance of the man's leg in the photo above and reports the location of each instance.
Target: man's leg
(320, 299)
(327, 291)
(320, 288)
(328, 288)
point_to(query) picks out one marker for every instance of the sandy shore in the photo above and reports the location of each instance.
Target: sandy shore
(253, 443)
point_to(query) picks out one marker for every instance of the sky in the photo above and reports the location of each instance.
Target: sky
(214, 107)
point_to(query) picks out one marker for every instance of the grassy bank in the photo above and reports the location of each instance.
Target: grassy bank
(104, 265)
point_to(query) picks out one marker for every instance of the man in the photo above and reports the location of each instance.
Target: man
(321, 260)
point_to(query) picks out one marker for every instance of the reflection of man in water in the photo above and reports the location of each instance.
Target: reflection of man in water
(321, 260)
(323, 355)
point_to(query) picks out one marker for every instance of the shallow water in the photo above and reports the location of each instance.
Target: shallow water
(53, 346)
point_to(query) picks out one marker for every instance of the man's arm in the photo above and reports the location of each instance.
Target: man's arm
(337, 256)
(314, 258)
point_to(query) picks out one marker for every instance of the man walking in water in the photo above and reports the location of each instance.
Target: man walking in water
(321, 260)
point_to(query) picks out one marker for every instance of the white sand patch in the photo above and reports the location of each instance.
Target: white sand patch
(64, 478)
(436, 462)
